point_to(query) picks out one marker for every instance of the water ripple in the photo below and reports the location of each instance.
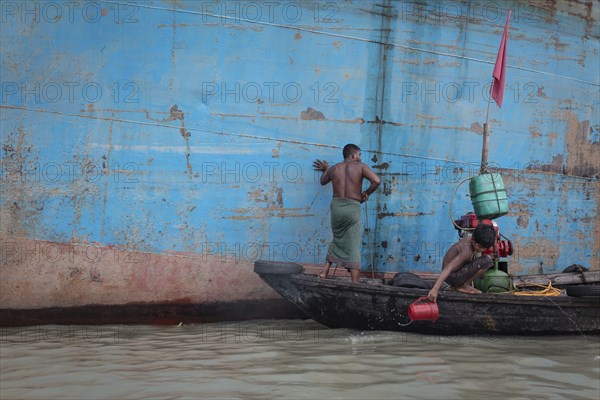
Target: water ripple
(289, 359)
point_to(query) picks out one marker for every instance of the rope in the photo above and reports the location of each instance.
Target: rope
(548, 290)
(495, 192)
(369, 241)
(452, 201)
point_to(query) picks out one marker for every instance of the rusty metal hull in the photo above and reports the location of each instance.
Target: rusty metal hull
(160, 313)
(339, 303)
(151, 151)
(87, 284)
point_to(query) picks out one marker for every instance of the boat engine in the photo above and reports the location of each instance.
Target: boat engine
(495, 279)
(469, 221)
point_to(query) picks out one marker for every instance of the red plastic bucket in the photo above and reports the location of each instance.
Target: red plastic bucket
(418, 311)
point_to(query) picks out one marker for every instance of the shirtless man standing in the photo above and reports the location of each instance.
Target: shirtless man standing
(346, 224)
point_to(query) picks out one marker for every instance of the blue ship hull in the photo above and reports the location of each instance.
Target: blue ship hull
(152, 151)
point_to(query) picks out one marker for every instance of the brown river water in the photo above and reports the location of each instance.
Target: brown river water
(289, 359)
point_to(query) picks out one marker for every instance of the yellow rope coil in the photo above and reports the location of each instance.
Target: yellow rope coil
(548, 290)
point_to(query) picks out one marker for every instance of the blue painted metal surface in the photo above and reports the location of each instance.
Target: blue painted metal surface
(191, 126)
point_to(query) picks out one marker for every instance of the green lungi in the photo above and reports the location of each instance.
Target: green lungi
(346, 226)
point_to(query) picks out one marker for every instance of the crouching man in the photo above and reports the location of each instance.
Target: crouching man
(463, 262)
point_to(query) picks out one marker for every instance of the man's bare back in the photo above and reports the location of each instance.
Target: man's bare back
(346, 178)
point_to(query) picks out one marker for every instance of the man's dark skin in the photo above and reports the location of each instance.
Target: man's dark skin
(454, 264)
(346, 178)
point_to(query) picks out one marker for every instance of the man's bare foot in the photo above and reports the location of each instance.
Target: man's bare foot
(467, 289)
(325, 271)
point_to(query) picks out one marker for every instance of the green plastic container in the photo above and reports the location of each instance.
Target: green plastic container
(488, 196)
(494, 281)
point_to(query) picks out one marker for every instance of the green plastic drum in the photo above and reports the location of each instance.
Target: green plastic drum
(488, 196)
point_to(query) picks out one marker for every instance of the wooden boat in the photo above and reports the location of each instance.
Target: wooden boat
(372, 305)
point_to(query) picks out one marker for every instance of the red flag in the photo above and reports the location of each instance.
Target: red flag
(500, 67)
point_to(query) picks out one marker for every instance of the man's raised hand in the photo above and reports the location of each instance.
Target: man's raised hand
(320, 165)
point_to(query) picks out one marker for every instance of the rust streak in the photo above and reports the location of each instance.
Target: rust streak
(425, 116)
(403, 214)
(176, 114)
(172, 66)
(268, 208)
(582, 157)
(106, 171)
(453, 128)
(595, 262)
(312, 114)
(262, 216)
(234, 115)
(521, 210)
(175, 25)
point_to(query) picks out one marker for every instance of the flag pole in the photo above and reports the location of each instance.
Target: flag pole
(498, 76)
(486, 134)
